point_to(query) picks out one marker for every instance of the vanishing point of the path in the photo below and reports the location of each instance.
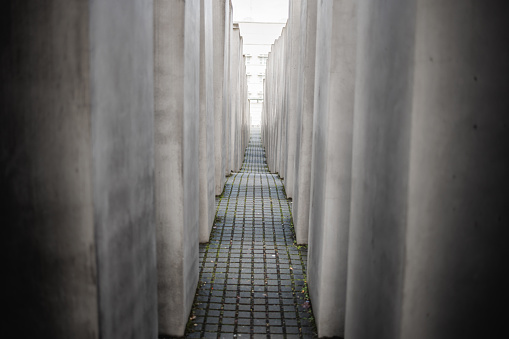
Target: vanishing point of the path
(252, 274)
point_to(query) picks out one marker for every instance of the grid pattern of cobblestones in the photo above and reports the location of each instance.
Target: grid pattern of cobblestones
(252, 275)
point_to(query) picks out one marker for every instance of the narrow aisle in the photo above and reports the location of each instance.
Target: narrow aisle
(252, 275)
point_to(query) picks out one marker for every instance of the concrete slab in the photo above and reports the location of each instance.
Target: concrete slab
(207, 125)
(78, 169)
(177, 106)
(293, 60)
(122, 106)
(331, 169)
(303, 150)
(221, 14)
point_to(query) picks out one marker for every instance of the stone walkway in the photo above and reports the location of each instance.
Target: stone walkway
(252, 275)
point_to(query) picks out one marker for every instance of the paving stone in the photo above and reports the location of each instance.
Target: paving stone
(244, 321)
(243, 329)
(259, 308)
(259, 329)
(259, 315)
(211, 328)
(212, 320)
(228, 321)
(292, 330)
(244, 307)
(214, 313)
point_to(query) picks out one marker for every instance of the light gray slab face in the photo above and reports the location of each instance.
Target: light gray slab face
(380, 168)
(331, 175)
(303, 151)
(293, 61)
(49, 275)
(122, 105)
(177, 106)
(83, 146)
(219, 59)
(457, 186)
(207, 127)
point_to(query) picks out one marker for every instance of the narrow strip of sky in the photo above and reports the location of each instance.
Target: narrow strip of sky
(260, 10)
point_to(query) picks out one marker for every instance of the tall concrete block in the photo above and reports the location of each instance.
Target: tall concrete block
(293, 61)
(207, 125)
(457, 194)
(46, 180)
(219, 19)
(283, 103)
(228, 90)
(235, 58)
(274, 114)
(76, 136)
(122, 106)
(244, 109)
(380, 168)
(428, 163)
(331, 170)
(177, 107)
(303, 152)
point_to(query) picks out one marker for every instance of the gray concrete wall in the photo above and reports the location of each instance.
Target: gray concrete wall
(227, 108)
(207, 123)
(282, 95)
(235, 59)
(380, 169)
(274, 105)
(239, 105)
(303, 152)
(219, 59)
(50, 277)
(76, 137)
(417, 193)
(424, 262)
(329, 216)
(177, 64)
(293, 61)
(122, 105)
(457, 201)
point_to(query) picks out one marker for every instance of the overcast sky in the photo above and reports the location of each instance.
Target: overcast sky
(260, 10)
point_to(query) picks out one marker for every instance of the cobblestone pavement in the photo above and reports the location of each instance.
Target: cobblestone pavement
(252, 275)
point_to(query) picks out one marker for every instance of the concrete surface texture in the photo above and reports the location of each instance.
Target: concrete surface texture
(380, 185)
(207, 124)
(227, 106)
(293, 62)
(304, 124)
(76, 135)
(272, 115)
(176, 79)
(438, 232)
(122, 106)
(220, 17)
(236, 112)
(329, 217)
(46, 159)
(412, 175)
(457, 198)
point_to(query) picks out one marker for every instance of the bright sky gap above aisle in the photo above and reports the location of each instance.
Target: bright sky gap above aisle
(260, 23)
